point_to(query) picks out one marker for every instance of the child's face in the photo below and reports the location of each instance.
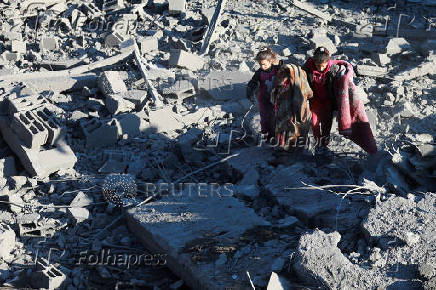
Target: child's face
(321, 66)
(265, 64)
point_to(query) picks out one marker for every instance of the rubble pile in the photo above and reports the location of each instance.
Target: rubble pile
(130, 157)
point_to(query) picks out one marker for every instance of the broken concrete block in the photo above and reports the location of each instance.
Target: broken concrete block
(277, 282)
(18, 46)
(78, 19)
(176, 6)
(7, 241)
(382, 59)
(116, 162)
(165, 120)
(113, 5)
(100, 134)
(137, 97)
(38, 163)
(11, 56)
(324, 212)
(48, 43)
(148, 44)
(225, 85)
(320, 39)
(113, 39)
(47, 276)
(187, 143)
(78, 214)
(185, 59)
(371, 71)
(26, 103)
(49, 120)
(7, 167)
(397, 45)
(117, 104)
(30, 129)
(81, 200)
(110, 82)
(130, 125)
(181, 89)
(321, 262)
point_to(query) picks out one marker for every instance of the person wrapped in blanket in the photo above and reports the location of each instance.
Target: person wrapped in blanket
(291, 110)
(262, 81)
(334, 89)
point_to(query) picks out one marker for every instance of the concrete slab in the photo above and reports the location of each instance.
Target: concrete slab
(313, 206)
(371, 71)
(203, 239)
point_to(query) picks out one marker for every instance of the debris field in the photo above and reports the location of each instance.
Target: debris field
(130, 157)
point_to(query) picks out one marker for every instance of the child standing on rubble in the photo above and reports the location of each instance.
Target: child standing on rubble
(263, 80)
(333, 89)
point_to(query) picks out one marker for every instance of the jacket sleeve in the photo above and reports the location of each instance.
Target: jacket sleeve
(253, 84)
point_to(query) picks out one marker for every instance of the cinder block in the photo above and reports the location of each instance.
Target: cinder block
(26, 103)
(110, 82)
(47, 276)
(37, 163)
(54, 130)
(176, 6)
(28, 127)
(99, 134)
(185, 59)
(18, 46)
